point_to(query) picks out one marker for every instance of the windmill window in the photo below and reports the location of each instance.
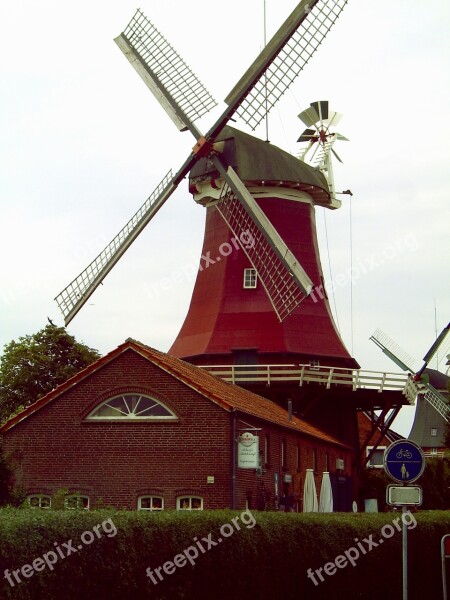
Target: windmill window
(76, 502)
(250, 279)
(189, 503)
(434, 432)
(39, 501)
(131, 407)
(151, 503)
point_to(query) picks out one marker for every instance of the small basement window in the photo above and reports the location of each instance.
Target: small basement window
(151, 503)
(76, 502)
(189, 503)
(250, 279)
(131, 407)
(39, 501)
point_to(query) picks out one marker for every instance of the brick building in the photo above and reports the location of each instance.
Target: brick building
(141, 429)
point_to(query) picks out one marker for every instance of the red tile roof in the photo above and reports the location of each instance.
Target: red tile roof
(226, 395)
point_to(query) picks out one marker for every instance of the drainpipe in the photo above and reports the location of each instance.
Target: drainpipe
(233, 458)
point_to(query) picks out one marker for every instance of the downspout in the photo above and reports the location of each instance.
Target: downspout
(233, 457)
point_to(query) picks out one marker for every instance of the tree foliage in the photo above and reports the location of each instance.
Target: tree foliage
(36, 364)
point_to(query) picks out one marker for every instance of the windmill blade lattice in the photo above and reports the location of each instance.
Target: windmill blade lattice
(389, 347)
(282, 60)
(415, 385)
(164, 72)
(74, 296)
(285, 282)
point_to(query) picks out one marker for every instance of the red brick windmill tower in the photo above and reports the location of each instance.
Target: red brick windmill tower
(238, 313)
(261, 301)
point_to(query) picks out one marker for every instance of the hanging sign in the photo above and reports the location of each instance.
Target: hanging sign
(248, 451)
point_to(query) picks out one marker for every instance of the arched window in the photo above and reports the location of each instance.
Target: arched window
(131, 407)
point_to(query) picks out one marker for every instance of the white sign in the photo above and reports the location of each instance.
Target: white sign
(408, 495)
(248, 451)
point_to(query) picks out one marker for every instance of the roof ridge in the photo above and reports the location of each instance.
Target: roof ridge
(227, 395)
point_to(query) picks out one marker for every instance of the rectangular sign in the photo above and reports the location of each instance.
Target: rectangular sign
(248, 451)
(407, 495)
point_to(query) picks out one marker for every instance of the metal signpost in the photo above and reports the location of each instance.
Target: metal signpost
(404, 462)
(445, 553)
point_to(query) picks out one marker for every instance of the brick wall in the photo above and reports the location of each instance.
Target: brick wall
(116, 462)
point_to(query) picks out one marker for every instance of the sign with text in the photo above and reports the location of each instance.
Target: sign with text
(248, 451)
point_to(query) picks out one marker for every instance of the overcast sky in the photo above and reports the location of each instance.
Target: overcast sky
(83, 143)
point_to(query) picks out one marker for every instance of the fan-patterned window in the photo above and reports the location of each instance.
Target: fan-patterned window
(131, 407)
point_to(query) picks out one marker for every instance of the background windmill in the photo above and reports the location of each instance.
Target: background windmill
(428, 387)
(184, 98)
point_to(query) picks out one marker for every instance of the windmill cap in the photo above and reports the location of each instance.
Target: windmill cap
(260, 163)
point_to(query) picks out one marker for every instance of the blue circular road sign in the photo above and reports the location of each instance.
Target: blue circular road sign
(404, 461)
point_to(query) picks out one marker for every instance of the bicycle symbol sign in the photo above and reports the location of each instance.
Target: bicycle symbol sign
(403, 454)
(404, 461)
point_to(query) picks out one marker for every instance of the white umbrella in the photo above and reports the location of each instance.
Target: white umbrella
(326, 494)
(309, 493)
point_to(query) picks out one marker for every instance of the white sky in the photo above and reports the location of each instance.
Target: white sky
(83, 143)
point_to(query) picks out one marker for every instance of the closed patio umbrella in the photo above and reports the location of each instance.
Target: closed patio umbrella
(326, 494)
(309, 493)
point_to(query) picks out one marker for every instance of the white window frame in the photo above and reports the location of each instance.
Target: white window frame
(131, 415)
(151, 508)
(250, 279)
(190, 499)
(40, 498)
(78, 497)
(434, 431)
(369, 464)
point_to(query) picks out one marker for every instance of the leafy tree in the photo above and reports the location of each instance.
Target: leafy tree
(435, 483)
(36, 364)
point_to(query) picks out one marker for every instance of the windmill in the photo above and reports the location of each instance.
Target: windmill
(433, 411)
(321, 139)
(284, 280)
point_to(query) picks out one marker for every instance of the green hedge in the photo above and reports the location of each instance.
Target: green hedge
(267, 561)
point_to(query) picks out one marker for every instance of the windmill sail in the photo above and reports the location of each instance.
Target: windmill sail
(75, 295)
(283, 279)
(165, 73)
(185, 99)
(282, 60)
